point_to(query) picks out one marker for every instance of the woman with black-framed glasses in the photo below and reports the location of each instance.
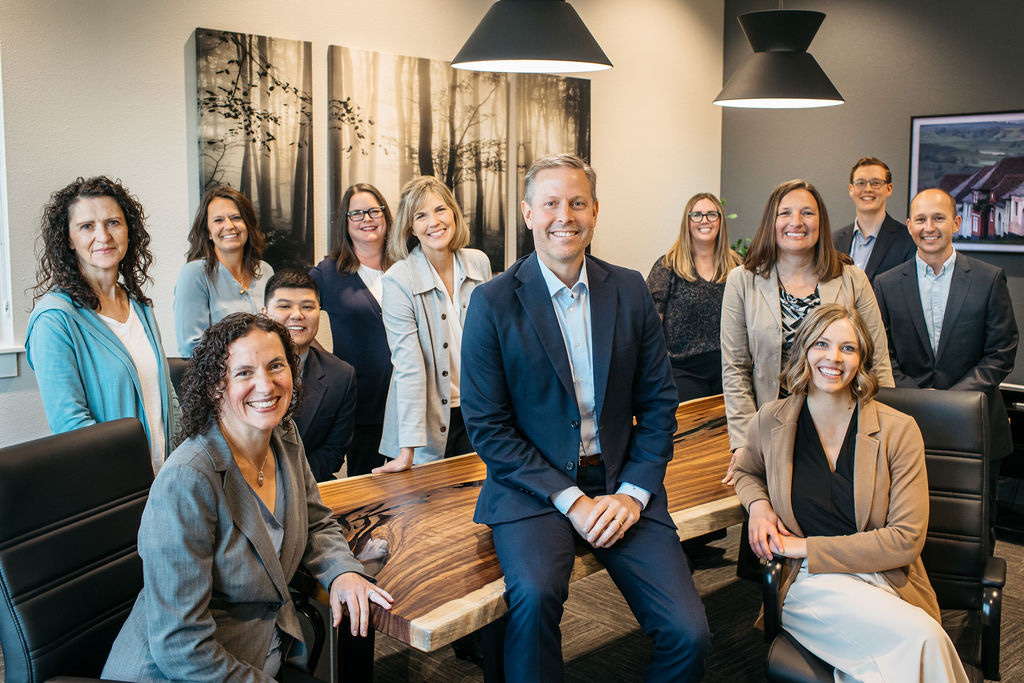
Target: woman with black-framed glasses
(687, 285)
(350, 288)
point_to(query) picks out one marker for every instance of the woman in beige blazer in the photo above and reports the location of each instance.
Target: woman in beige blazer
(426, 293)
(836, 483)
(790, 268)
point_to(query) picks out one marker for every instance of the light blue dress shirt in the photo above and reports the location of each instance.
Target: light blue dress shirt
(572, 308)
(934, 288)
(861, 247)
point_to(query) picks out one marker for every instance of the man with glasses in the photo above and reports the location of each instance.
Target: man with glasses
(875, 241)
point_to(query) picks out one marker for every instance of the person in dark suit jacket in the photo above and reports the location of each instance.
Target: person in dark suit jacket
(876, 241)
(559, 354)
(966, 339)
(325, 417)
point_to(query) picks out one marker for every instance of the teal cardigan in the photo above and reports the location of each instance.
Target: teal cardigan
(84, 372)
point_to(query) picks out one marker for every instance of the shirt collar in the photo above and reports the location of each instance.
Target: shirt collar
(858, 231)
(923, 268)
(555, 285)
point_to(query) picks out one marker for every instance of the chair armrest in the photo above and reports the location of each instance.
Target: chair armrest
(995, 572)
(772, 605)
(991, 624)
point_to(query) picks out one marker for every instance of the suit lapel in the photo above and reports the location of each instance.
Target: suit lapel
(604, 308)
(314, 387)
(829, 291)
(865, 463)
(882, 242)
(958, 288)
(536, 301)
(912, 302)
(768, 290)
(285, 440)
(780, 477)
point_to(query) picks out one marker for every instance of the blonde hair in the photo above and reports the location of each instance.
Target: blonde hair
(680, 257)
(796, 375)
(401, 240)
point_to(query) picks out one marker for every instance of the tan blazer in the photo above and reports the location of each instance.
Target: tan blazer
(890, 490)
(752, 338)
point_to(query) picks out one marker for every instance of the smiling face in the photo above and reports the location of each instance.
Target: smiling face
(704, 230)
(433, 224)
(866, 198)
(227, 230)
(562, 215)
(796, 223)
(257, 386)
(932, 224)
(367, 232)
(834, 358)
(98, 234)
(297, 309)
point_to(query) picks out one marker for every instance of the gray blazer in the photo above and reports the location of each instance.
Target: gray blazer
(214, 586)
(752, 338)
(417, 413)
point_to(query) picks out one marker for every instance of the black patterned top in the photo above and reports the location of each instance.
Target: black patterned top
(691, 311)
(794, 309)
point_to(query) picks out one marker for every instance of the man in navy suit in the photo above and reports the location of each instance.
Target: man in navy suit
(559, 354)
(949, 319)
(875, 241)
(325, 416)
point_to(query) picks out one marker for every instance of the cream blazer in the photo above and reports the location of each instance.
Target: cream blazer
(752, 338)
(890, 492)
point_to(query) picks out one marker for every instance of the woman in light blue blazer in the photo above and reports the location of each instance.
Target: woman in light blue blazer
(230, 517)
(426, 293)
(92, 337)
(223, 273)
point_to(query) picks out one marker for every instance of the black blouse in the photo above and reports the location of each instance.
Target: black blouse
(823, 499)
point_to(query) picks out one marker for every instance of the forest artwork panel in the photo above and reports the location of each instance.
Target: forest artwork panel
(392, 118)
(255, 132)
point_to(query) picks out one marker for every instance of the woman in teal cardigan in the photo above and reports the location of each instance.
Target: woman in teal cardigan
(92, 338)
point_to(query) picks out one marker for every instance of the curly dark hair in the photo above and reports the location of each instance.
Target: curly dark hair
(202, 385)
(58, 267)
(344, 253)
(200, 246)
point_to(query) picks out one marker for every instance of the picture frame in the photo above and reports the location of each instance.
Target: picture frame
(979, 160)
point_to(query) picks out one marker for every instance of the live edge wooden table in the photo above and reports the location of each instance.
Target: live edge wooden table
(442, 569)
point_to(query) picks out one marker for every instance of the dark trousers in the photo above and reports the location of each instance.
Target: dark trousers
(364, 452)
(698, 376)
(648, 567)
(458, 440)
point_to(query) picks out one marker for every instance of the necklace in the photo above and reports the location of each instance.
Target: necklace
(259, 473)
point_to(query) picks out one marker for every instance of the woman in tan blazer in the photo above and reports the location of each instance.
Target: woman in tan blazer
(836, 483)
(790, 268)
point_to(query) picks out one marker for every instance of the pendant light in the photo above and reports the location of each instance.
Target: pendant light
(780, 74)
(531, 36)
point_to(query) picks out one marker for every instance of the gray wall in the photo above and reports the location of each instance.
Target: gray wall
(891, 61)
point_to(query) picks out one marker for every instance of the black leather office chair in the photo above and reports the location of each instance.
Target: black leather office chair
(967, 580)
(177, 367)
(70, 507)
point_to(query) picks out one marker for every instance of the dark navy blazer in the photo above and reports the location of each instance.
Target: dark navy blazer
(357, 329)
(325, 417)
(517, 390)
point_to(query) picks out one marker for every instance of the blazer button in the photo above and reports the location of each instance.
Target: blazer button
(443, 429)
(570, 466)
(444, 373)
(444, 401)
(575, 424)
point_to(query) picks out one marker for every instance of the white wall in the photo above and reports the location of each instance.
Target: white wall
(107, 86)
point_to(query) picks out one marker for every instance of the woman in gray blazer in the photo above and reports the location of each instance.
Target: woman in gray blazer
(230, 516)
(426, 293)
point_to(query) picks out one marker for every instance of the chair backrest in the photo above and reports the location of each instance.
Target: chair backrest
(955, 428)
(70, 507)
(177, 367)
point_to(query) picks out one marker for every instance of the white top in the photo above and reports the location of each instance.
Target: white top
(371, 278)
(133, 335)
(452, 313)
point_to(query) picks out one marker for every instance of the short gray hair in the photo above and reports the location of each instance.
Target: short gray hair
(558, 161)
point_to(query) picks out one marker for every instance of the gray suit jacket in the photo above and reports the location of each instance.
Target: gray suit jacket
(214, 587)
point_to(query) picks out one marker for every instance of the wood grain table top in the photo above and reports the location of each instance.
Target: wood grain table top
(442, 568)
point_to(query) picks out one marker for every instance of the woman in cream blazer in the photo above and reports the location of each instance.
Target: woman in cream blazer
(426, 293)
(855, 593)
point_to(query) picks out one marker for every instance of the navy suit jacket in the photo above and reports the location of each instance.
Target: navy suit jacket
(518, 400)
(978, 343)
(893, 246)
(325, 417)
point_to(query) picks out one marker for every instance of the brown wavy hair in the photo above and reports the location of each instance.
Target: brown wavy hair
(200, 246)
(763, 253)
(202, 386)
(680, 257)
(58, 267)
(796, 375)
(344, 253)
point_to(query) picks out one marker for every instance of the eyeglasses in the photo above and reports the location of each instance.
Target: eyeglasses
(875, 183)
(357, 215)
(709, 216)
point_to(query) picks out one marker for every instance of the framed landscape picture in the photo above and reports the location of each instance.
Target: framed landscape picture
(979, 160)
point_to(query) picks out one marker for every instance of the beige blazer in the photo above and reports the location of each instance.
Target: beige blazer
(752, 338)
(890, 491)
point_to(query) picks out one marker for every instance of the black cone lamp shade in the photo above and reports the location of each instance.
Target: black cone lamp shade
(531, 36)
(780, 74)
